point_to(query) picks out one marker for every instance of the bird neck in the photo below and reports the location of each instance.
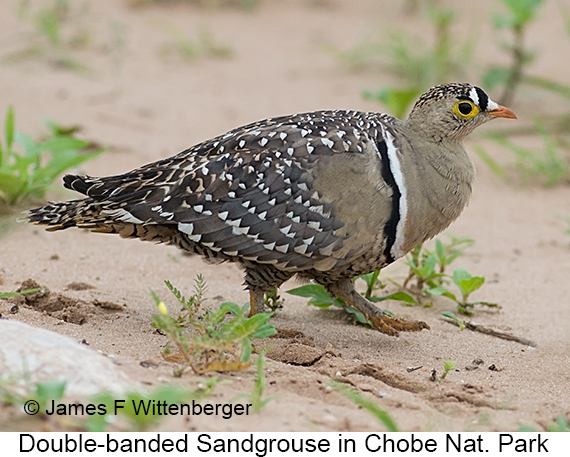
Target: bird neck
(434, 131)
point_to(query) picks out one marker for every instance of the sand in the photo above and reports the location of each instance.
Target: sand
(146, 105)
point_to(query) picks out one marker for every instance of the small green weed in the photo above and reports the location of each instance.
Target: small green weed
(320, 298)
(560, 425)
(548, 167)
(256, 396)
(466, 284)
(22, 292)
(418, 65)
(382, 416)
(60, 32)
(27, 171)
(182, 47)
(427, 275)
(216, 342)
(454, 318)
(136, 408)
(567, 219)
(448, 365)
(272, 299)
(518, 16)
(52, 29)
(244, 5)
(42, 393)
(426, 278)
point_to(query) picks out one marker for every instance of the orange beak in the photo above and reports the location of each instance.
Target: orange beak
(502, 111)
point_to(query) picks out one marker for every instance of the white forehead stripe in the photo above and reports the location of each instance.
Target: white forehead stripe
(473, 96)
(491, 105)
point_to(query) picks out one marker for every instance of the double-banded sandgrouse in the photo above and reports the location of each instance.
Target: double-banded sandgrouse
(325, 195)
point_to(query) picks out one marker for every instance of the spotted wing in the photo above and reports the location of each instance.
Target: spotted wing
(253, 193)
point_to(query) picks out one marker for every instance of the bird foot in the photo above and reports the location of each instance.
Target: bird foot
(393, 326)
(379, 318)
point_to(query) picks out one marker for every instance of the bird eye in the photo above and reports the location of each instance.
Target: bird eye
(465, 109)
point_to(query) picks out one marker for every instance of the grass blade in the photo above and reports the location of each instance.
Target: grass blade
(382, 416)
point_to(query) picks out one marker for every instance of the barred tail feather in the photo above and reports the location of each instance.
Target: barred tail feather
(60, 216)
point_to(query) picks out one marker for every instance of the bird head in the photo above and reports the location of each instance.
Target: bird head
(452, 111)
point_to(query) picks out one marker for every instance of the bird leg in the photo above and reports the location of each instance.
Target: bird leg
(256, 301)
(379, 319)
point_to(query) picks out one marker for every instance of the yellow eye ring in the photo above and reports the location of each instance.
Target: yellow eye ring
(466, 109)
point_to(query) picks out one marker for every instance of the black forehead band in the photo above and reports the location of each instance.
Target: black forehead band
(483, 99)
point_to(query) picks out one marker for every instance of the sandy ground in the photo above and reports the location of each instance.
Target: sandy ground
(147, 107)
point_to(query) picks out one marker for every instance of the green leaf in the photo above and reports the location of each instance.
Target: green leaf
(9, 130)
(264, 331)
(28, 144)
(247, 349)
(11, 187)
(234, 308)
(453, 317)
(396, 100)
(459, 275)
(382, 416)
(258, 319)
(437, 291)
(359, 316)
(400, 296)
(471, 285)
(50, 390)
(318, 296)
(22, 292)
(495, 77)
(490, 162)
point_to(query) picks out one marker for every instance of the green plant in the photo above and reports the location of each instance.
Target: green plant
(22, 292)
(448, 365)
(427, 268)
(320, 298)
(272, 299)
(517, 17)
(27, 171)
(220, 340)
(560, 425)
(187, 49)
(137, 408)
(382, 416)
(415, 63)
(467, 284)
(426, 278)
(56, 31)
(244, 5)
(52, 32)
(256, 396)
(548, 167)
(567, 220)
(427, 275)
(42, 393)
(454, 318)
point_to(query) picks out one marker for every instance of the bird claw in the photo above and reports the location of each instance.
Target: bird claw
(393, 326)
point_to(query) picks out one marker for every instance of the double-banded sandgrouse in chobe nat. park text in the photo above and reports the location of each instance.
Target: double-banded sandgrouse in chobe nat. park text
(325, 195)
